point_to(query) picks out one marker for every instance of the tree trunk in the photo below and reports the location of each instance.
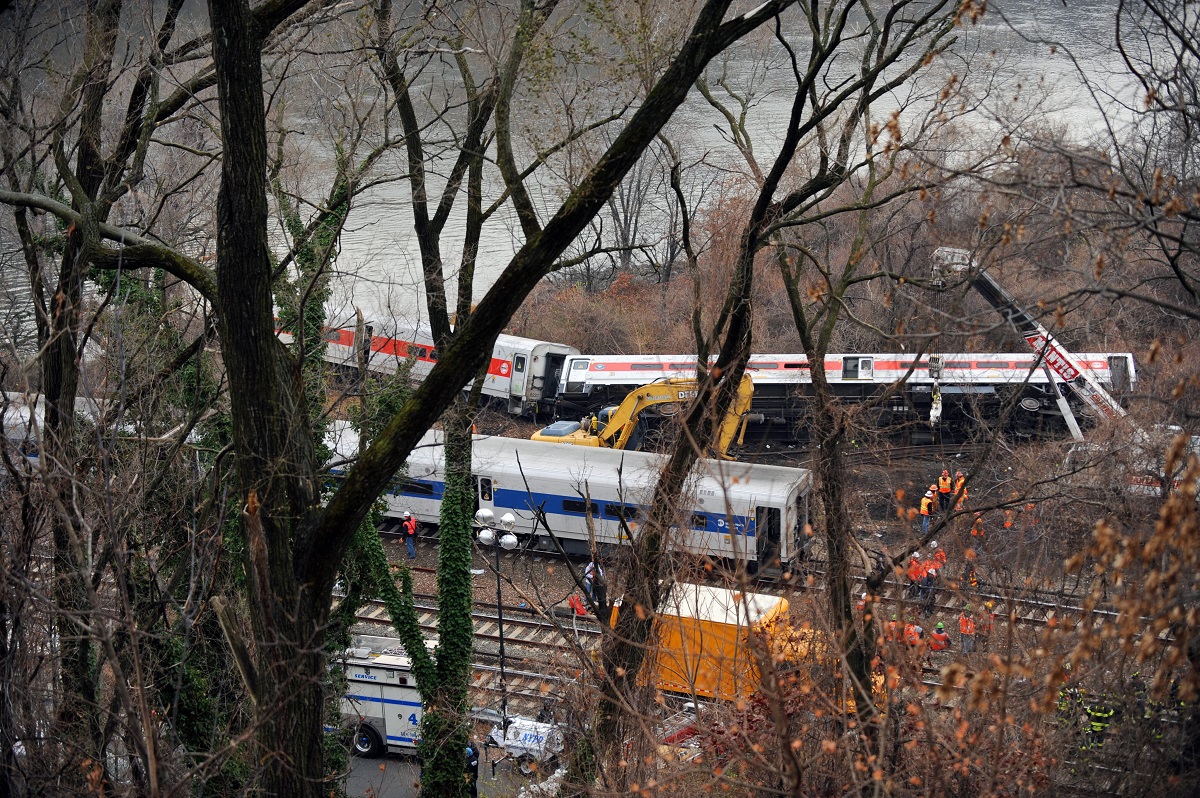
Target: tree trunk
(445, 724)
(270, 434)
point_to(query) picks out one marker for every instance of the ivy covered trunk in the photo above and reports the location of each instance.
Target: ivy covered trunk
(445, 724)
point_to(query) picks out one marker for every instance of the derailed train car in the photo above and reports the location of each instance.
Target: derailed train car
(747, 513)
(973, 387)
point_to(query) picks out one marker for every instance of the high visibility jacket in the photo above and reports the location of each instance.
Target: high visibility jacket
(939, 556)
(987, 623)
(977, 527)
(912, 634)
(926, 505)
(944, 484)
(916, 570)
(939, 641)
(892, 630)
(966, 624)
(960, 485)
(410, 526)
(1008, 519)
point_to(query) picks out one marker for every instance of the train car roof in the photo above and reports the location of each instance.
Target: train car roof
(517, 341)
(559, 461)
(719, 605)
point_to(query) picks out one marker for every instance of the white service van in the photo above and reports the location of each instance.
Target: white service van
(381, 701)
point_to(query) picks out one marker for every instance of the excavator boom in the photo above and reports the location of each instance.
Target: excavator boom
(622, 421)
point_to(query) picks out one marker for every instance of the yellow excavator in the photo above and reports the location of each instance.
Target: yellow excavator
(620, 427)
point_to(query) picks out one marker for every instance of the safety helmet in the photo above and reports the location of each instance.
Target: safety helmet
(893, 617)
(958, 473)
(406, 515)
(966, 608)
(988, 604)
(864, 596)
(940, 626)
(933, 544)
(945, 472)
(929, 494)
(933, 572)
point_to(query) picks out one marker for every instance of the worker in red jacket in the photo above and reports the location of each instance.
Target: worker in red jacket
(938, 557)
(938, 639)
(916, 570)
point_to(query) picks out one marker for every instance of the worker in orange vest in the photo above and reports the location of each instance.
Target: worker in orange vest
(893, 630)
(926, 511)
(913, 634)
(977, 526)
(987, 624)
(938, 639)
(960, 489)
(966, 628)
(945, 487)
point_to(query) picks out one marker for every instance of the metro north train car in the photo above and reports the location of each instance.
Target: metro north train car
(522, 376)
(738, 511)
(971, 384)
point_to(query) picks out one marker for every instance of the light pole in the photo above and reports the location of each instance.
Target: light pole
(507, 541)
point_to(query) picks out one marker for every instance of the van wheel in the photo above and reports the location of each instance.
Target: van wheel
(367, 743)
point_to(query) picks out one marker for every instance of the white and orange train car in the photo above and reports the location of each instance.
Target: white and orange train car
(971, 385)
(522, 376)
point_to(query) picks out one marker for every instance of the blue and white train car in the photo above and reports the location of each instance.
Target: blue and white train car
(739, 511)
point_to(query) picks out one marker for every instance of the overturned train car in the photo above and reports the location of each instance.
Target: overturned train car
(976, 389)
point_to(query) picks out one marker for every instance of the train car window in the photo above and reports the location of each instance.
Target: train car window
(485, 489)
(414, 487)
(993, 364)
(519, 364)
(332, 335)
(646, 366)
(699, 521)
(795, 365)
(959, 364)
(627, 511)
(762, 365)
(857, 368)
(579, 365)
(578, 506)
(680, 366)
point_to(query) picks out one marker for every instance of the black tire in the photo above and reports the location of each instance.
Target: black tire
(367, 742)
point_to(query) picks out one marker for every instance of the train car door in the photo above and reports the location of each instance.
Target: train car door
(547, 372)
(516, 400)
(768, 536)
(858, 368)
(484, 493)
(1118, 370)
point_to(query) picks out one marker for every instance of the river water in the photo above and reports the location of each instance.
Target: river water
(1010, 53)
(1027, 49)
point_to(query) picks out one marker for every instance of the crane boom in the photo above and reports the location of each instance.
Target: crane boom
(1054, 355)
